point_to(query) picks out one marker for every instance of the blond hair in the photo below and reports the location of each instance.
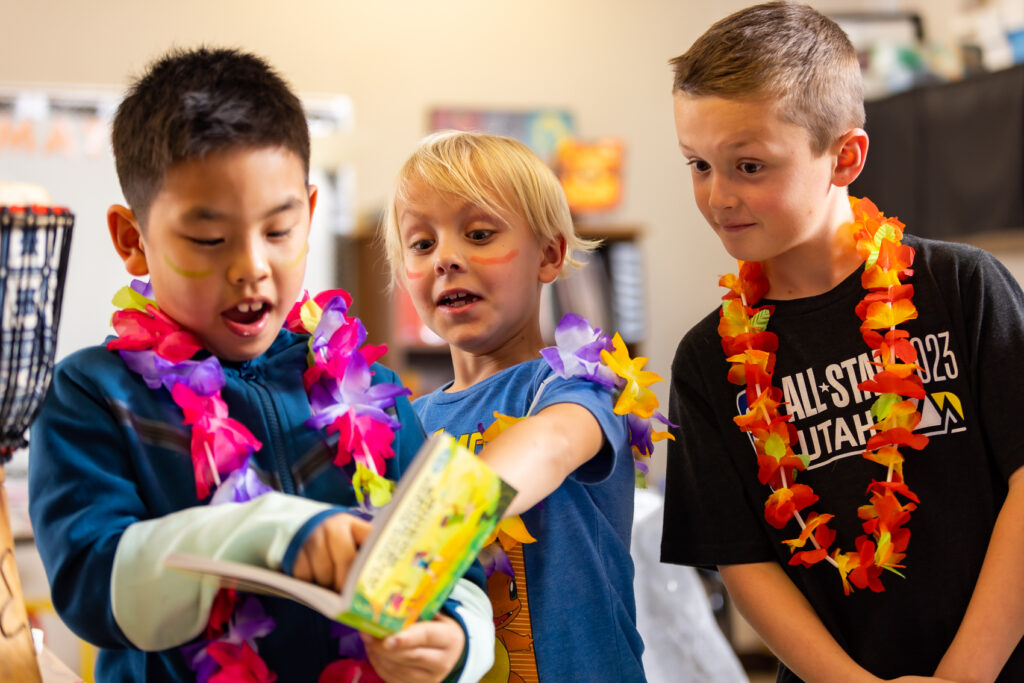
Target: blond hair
(781, 51)
(498, 174)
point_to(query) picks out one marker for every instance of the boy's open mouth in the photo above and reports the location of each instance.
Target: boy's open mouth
(457, 299)
(246, 313)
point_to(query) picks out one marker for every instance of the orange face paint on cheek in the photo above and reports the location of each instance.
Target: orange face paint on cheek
(413, 274)
(495, 260)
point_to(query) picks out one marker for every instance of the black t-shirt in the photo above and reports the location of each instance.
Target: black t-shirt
(968, 335)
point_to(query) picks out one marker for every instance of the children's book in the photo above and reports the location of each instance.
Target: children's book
(443, 510)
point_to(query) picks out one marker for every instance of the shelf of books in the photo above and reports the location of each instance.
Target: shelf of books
(609, 290)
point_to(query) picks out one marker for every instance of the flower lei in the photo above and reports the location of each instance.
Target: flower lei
(342, 399)
(586, 352)
(750, 349)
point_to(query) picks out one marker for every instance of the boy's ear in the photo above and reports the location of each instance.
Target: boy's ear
(851, 153)
(126, 235)
(552, 258)
(312, 201)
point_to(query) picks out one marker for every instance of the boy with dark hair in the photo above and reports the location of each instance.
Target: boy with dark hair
(793, 482)
(210, 424)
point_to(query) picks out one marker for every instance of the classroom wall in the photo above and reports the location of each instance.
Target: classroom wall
(604, 61)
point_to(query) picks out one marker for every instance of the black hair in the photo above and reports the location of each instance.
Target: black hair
(190, 103)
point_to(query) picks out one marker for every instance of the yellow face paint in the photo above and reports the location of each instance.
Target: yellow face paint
(298, 259)
(195, 274)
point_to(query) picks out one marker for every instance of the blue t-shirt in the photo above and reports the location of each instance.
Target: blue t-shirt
(569, 613)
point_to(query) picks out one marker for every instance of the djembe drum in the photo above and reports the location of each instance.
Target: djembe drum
(34, 246)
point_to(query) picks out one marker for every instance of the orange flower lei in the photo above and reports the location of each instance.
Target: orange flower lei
(750, 349)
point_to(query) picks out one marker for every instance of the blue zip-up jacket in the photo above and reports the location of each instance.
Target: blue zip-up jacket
(112, 491)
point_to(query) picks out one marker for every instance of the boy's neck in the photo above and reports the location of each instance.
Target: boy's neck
(818, 266)
(472, 368)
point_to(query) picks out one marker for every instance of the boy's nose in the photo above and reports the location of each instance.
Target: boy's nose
(721, 195)
(447, 260)
(249, 266)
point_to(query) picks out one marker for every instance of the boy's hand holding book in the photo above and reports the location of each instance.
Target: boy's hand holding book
(328, 553)
(424, 652)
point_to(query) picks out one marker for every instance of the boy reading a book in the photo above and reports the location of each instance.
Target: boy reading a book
(476, 226)
(861, 489)
(221, 421)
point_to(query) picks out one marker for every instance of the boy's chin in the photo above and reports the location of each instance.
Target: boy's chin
(241, 351)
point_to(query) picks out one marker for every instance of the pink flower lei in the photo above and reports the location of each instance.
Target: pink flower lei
(342, 399)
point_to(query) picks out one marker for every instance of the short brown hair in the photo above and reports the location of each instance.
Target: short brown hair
(781, 51)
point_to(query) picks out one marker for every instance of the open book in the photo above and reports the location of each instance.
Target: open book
(443, 510)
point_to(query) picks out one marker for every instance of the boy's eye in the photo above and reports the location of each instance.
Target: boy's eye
(699, 165)
(750, 167)
(479, 234)
(279, 234)
(205, 242)
(421, 244)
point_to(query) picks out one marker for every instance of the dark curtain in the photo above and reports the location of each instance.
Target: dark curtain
(948, 159)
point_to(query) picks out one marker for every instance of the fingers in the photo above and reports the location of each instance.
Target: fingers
(328, 553)
(425, 651)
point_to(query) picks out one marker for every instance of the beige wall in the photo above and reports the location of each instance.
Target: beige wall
(603, 60)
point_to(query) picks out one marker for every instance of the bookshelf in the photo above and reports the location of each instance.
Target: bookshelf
(609, 291)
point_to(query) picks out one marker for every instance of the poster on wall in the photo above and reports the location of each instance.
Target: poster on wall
(542, 130)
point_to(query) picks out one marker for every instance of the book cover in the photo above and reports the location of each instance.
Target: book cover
(445, 506)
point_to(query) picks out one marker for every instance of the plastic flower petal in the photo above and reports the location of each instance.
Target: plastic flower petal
(137, 296)
(635, 397)
(241, 485)
(751, 285)
(304, 316)
(510, 532)
(494, 559)
(363, 438)
(577, 351)
(203, 377)
(331, 398)
(371, 486)
(214, 436)
(845, 563)
(350, 671)
(500, 424)
(884, 314)
(866, 574)
(786, 502)
(239, 664)
(889, 383)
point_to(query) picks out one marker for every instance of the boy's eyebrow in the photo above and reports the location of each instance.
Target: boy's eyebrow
(205, 213)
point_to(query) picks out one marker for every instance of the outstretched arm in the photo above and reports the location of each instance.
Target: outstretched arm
(535, 455)
(788, 624)
(994, 622)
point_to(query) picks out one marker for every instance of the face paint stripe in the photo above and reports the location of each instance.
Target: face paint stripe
(187, 273)
(496, 259)
(413, 274)
(298, 259)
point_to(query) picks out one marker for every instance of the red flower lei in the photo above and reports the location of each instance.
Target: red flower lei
(750, 349)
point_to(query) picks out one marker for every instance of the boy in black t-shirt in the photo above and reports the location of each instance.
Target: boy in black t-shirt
(873, 384)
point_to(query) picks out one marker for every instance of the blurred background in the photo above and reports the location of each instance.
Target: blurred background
(585, 83)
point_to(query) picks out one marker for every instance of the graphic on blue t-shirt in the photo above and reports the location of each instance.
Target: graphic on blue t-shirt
(833, 417)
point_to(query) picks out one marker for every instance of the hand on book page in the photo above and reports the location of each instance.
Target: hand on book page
(330, 550)
(442, 512)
